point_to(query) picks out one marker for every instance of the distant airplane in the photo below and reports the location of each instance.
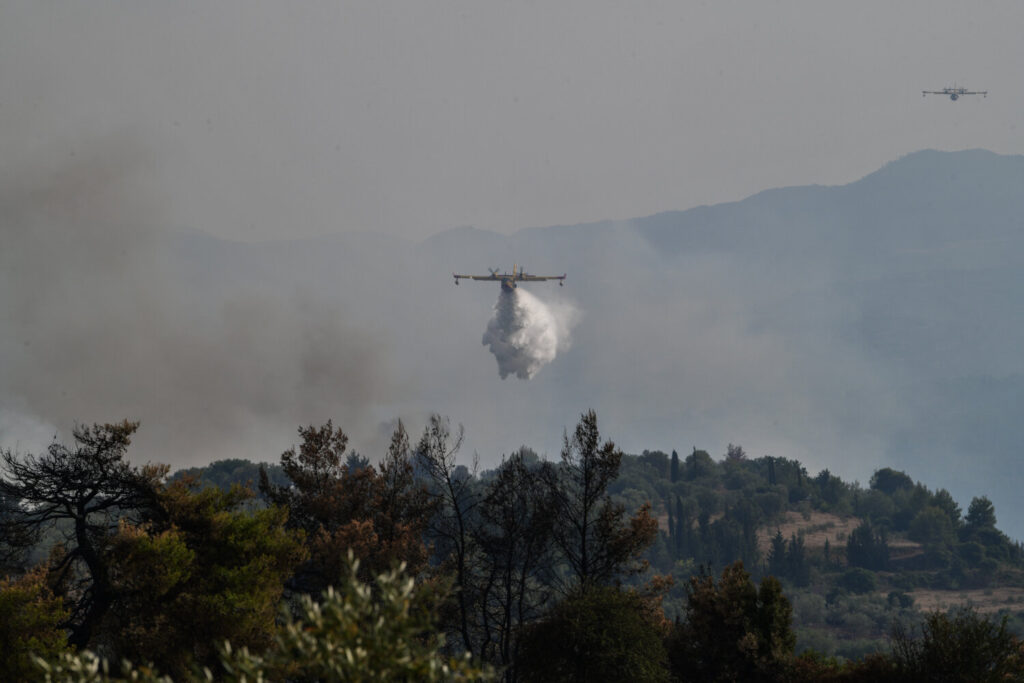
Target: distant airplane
(508, 280)
(954, 92)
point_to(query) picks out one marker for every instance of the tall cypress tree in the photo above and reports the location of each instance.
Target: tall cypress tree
(671, 527)
(682, 528)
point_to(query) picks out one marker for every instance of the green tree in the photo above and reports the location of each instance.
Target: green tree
(384, 631)
(777, 555)
(943, 500)
(888, 480)
(981, 514)
(600, 634)
(867, 547)
(735, 454)
(698, 464)
(962, 646)
(831, 489)
(734, 630)
(226, 473)
(858, 580)
(798, 570)
(30, 624)
(674, 467)
(214, 571)
(687, 544)
(657, 461)
(932, 527)
(88, 667)
(379, 631)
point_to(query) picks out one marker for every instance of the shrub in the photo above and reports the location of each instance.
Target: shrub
(859, 581)
(600, 634)
(30, 624)
(359, 632)
(963, 646)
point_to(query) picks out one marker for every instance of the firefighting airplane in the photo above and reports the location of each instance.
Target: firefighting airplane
(508, 280)
(954, 92)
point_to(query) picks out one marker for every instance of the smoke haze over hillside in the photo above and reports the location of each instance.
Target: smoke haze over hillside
(103, 320)
(853, 327)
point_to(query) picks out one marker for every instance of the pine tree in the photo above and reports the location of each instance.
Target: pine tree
(797, 569)
(682, 529)
(671, 528)
(777, 555)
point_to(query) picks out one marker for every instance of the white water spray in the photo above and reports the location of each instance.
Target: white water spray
(526, 334)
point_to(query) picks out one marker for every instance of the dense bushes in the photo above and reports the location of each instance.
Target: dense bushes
(358, 633)
(600, 634)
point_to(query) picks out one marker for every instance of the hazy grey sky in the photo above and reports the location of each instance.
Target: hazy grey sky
(258, 120)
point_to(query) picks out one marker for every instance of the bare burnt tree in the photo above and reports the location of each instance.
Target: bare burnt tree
(457, 497)
(513, 538)
(592, 534)
(83, 491)
(525, 534)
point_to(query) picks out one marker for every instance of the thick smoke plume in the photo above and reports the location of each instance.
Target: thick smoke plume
(526, 334)
(107, 314)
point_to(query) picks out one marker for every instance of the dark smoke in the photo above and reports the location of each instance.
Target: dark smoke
(104, 317)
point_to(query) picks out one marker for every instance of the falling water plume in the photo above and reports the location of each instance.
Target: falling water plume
(526, 334)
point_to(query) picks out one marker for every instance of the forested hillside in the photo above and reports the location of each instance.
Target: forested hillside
(597, 566)
(852, 558)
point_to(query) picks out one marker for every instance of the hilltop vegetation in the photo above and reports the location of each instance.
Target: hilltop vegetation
(599, 566)
(852, 558)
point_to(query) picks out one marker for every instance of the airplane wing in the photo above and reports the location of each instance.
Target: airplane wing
(493, 277)
(540, 278)
(510, 278)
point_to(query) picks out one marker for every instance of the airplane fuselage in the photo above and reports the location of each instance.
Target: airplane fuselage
(509, 281)
(955, 93)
